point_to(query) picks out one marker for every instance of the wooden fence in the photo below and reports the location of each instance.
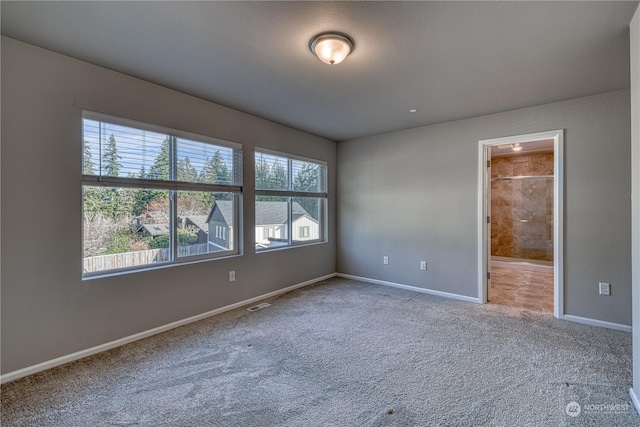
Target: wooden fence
(136, 258)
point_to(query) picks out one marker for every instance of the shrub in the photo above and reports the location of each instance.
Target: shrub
(185, 238)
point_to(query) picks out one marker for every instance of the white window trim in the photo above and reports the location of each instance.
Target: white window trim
(323, 196)
(92, 115)
(172, 186)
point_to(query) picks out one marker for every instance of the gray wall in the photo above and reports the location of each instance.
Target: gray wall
(635, 187)
(47, 310)
(412, 195)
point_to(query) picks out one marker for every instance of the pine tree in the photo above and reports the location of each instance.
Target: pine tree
(160, 168)
(215, 170)
(222, 172)
(278, 178)
(126, 203)
(111, 158)
(142, 196)
(109, 202)
(186, 172)
(92, 197)
(262, 174)
(87, 160)
(109, 197)
(189, 202)
(307, 180)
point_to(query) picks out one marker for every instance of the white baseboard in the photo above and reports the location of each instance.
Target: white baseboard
(634, 399)
(410, 288)
(29, 370)
(595, 322)
(20, 373)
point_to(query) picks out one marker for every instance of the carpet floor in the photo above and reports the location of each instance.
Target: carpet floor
(345, 353)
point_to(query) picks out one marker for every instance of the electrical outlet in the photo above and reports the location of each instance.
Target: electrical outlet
(423, 265)
(232, 276)
(605, 288)
(385, 260)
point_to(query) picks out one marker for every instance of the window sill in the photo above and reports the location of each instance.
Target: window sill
(121, 272)
(293, 246)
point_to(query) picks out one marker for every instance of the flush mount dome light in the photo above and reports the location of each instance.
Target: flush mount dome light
(331, 48)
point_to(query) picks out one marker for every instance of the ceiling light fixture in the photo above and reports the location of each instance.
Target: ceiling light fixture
(413, 110)
(517, 147)
(331, 48)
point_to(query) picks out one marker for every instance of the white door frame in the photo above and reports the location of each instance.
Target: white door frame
(484, 209)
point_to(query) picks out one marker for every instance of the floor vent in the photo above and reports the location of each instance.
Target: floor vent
(259, 306)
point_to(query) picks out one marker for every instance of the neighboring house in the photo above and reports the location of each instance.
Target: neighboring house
(220, 225)
(195, 223)
(198, 224)
(152, 223)
(153, 230)
(271, 224)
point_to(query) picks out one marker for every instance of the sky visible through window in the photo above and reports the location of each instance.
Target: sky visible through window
(138, 150)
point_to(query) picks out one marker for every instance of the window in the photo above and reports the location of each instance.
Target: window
(291, 199)
(154, 196)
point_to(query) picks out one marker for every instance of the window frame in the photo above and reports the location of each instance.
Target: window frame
(290, 194)
(173, 187)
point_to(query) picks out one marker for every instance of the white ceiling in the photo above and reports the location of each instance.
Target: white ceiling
(451, 60)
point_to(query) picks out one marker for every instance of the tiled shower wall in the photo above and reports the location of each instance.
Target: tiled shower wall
(522, 209)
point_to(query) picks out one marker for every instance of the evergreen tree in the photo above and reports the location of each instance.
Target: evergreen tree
(160, 168)
(307, 180)
(92, 196)
(262, 174)
(92, 199)
(206, 199)
(278, 178)
(269, 178)
(186, 172)
(222, 172)
(87, 160)
(111, 158)
(126, 203)
(215, 170)
(109, 203)
(142, 197)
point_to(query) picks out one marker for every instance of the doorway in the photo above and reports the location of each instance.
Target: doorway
(520, 221)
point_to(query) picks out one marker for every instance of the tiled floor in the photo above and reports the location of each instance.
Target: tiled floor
(532, 290)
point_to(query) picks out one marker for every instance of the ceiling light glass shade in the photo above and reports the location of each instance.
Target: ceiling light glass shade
(331, 48)
(517, 147)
